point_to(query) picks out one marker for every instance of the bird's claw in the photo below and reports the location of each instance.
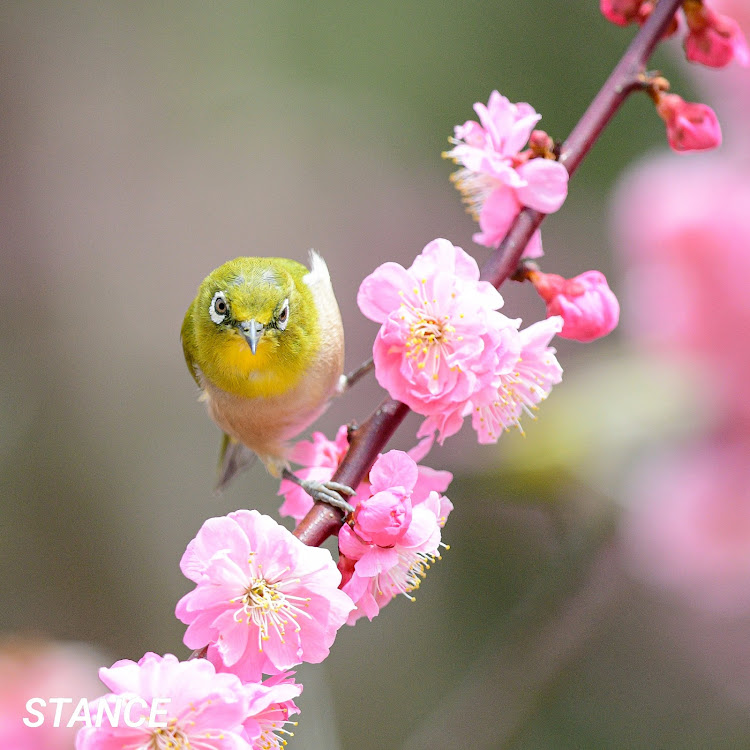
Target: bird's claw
(331, 493)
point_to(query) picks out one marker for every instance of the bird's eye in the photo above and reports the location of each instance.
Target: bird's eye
(218, 308)
(283, 317)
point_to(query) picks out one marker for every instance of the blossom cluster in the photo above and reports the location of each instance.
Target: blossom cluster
(445, 350)
(713, 39)
(264, 602)
(395, 533)
(205, 708)
(497, 178)
(395, 530)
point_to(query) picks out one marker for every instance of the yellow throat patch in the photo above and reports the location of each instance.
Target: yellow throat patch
(235, 369)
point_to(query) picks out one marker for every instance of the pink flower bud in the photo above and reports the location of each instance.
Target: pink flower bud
(540, 143)
(690, 126)
(587, 305)
(621, 12)
(715, 40)
(383, 518)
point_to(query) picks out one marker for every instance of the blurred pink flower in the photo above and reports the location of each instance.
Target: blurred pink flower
(687, 527)
(205, 709)
(714, 39)
(320, 459)
(31, 668)
(523, 387)
(684, 229)
(441, 339)
(586, 304)
(690, 126)
(496, 178)
(621, 12)
(393, 538)
(264, 601)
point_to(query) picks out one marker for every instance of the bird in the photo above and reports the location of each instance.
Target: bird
(264, 341)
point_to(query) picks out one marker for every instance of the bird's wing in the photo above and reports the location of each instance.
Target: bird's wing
(187, 334)
(318, 279)
(234, 458)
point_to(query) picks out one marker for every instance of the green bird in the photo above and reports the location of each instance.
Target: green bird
(263, 340)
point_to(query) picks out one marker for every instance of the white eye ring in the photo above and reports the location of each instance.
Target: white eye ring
(218, 308)
(283, 318)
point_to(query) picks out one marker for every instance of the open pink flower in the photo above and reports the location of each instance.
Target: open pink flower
(496, 178)
(33, 667)
(714, 39)
(690, 126)
(521, 388)
(687, 267)
(687, 526)
(264, 601)
(441, 336)
(204, 709)
(394, 536)
(586, 304)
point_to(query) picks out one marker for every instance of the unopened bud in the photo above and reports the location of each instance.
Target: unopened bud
(587, 305)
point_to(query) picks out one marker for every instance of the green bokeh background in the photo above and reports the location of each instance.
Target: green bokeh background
(143, 144)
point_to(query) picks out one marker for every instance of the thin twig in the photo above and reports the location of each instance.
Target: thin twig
(352, 378)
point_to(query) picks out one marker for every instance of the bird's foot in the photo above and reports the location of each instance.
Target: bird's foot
(331, 493)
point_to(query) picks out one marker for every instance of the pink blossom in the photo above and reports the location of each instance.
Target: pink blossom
(521, 388)
(271, 703)
(586, 304)
(496, 178)
(690, 126)
(687, 527)
(714, 39)
(320, 459)
(34, 667)
(683, 230)
(441, 338)
(394, 536)
(264, 601)
(430, 480)
(499, 211)
(624, 12)
(205, 709)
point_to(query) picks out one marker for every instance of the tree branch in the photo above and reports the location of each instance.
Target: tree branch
(368, 440)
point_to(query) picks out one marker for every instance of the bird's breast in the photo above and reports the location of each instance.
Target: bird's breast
(235, 369)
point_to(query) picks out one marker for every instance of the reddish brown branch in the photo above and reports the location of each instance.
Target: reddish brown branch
(368, 440)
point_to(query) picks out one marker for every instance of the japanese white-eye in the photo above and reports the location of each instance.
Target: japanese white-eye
(264, 341)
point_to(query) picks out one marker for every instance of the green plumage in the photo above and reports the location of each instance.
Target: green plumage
(263, 339)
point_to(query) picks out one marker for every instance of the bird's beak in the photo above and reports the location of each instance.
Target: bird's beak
(251, 330)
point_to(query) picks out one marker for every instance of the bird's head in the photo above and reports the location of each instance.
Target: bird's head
(255, 320)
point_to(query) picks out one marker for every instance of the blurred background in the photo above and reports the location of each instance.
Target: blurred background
(597, 589)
